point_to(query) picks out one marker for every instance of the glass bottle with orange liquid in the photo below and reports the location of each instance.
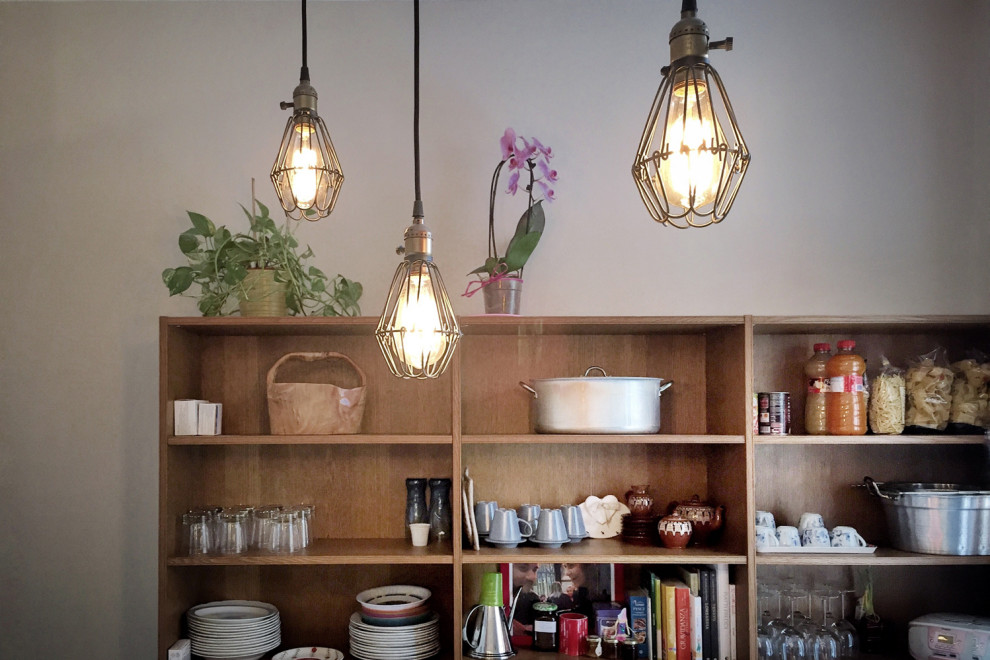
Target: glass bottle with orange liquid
(845, 401)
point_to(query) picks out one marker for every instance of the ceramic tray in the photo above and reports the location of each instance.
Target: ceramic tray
(870, 549)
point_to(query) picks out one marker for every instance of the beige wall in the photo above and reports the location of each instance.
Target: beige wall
(867, 194)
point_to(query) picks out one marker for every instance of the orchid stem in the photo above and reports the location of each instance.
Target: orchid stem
(492, 247)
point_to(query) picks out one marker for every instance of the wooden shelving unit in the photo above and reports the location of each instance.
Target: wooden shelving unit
(477, 416)
(801, 473)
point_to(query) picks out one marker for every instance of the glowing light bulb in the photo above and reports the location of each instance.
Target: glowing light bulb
(304, 164)
(418, 314)
(692, 169)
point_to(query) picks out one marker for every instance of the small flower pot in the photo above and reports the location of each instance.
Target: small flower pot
(503, 296)
(261, 295)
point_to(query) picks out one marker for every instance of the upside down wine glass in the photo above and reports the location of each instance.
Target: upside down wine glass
(842, 627)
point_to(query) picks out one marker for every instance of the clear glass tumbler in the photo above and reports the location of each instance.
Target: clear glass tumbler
(232, 539)
(286, 537)
(197, 534)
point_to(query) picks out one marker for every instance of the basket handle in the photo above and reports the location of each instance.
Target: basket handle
(313, 357)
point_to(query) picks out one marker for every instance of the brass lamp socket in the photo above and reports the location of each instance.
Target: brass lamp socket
(689, 38)
(418, 242)
(304, 96)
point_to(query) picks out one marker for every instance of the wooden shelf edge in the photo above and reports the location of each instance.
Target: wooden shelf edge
(865, 324)
(353, 439)
(882, 557)
(331, 551)
(868, 439)
(555, 438)
(601, 551)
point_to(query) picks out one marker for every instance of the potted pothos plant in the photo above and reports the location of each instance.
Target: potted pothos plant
(264, 270)
(500, 277)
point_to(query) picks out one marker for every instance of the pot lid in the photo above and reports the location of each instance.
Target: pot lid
(588, 377)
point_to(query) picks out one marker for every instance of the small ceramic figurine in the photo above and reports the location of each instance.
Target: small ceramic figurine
(603, 516)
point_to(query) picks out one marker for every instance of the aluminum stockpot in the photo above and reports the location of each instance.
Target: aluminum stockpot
(596, 404)
(935, 518)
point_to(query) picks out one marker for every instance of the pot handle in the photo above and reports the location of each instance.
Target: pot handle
(664, 386)
(872, 486)
(529, 389)
(593, 368)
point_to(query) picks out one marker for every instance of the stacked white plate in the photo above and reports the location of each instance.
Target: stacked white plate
(414, 642)
(233, 629)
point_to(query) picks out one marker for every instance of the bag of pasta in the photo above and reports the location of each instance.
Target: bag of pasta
(929, 393)
(969, 410)
(887, 395)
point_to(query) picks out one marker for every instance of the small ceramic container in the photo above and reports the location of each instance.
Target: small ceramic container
(675, 531)
(706, 519)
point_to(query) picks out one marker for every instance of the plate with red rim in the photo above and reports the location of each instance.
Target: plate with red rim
(393, 600)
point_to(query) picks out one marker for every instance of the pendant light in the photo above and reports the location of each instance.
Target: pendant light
(692, 158)
(417, 331)
(306, 174)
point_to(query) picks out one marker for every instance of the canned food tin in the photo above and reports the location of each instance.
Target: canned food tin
(774, 413)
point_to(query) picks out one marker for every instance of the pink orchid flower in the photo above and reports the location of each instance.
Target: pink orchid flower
(513, 185)
(548, 192)
(546, 151)
(508, 143)
(545, 171)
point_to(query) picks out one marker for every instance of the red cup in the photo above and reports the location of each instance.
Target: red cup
(573, 633)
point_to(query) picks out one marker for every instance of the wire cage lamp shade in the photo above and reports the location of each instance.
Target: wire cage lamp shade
(692, 156)
(418, 331)
(306, 173)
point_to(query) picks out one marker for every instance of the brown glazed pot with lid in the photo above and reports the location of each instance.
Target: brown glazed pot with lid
(674, 530)
(706, 519)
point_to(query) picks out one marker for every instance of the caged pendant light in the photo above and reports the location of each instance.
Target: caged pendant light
(306, 173)
(417, 331)
(692, 157)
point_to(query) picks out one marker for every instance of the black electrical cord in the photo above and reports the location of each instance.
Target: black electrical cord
(418, 204)
(304, 71)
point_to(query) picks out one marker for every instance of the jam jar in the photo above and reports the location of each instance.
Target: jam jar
(545, 627)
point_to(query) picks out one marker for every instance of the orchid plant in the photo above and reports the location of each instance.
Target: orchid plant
(525, 159)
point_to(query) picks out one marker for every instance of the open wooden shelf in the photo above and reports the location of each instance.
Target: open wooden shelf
(869, 439)
(882, 557)
(343, 439)
(601, 551)
(332, 551)
(566, 439)
(477, 417)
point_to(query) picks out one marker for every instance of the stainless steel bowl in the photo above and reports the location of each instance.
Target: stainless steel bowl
(935, 518)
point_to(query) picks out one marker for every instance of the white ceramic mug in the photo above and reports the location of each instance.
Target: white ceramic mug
(765, 519)
(815, 537)
(810, 520)
(844, 536)
(789, 536)
(766, 537)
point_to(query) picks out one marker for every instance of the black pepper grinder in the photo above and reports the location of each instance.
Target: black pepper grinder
(416, 511)
(440, 511)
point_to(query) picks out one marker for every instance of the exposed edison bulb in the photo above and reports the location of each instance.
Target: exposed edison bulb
(691, 170)
(304, 166)
(418, 314)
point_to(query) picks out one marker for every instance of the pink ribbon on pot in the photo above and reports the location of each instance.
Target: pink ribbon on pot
(477, 285)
